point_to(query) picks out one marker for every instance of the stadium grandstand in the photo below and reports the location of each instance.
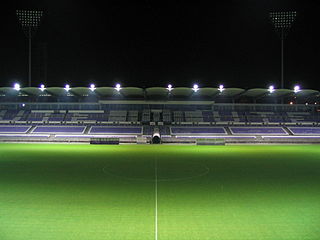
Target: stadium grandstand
(84, 158)
(159, 115)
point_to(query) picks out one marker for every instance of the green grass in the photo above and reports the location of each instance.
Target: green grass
(86, 192)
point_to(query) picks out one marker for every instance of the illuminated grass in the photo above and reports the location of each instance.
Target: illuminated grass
(107, 192)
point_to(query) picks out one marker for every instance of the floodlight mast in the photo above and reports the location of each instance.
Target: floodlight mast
(30, 21)
(282, 22)
(29, 67)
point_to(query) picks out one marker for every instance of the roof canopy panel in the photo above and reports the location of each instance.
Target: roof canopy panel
(157, 91)
(132, 92)
(57, 91)
(205, 92)
(81, 91)
(255, 92)
(106, 92)
(32, 91)
(231, 92)
(280, 93)
(8, 91)
(181, 92)
(307, 93)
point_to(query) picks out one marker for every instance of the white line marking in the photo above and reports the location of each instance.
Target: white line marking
(156, 200)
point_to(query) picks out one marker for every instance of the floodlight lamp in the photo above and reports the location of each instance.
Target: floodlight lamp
(118, 87)
(195, 87)
(221, 88)
(23, 104)
(169, 87)
(92, 87)
(291, 103)
(283, 20)
(271, 89)
(16, 87)
(29, 18)
(67, 87)
(296, 89)
(42, 87)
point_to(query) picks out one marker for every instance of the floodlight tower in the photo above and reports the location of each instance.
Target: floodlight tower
(30, 21)
(282, 22)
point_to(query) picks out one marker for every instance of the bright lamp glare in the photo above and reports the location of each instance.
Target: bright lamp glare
(169, 87)
(67, 87)
(221, 88)
(118, 87)
(271, 89)
(92, 87)
(195, 87)
(42, 87)
(296, 89)
(16, 86)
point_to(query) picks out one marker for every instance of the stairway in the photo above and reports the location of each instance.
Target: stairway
(228, 130)
(30, 130)
(87, 129)
(287, 130)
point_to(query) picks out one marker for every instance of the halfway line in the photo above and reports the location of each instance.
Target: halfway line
(156, 200)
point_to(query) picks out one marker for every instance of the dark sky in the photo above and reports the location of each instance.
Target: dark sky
(151, 43)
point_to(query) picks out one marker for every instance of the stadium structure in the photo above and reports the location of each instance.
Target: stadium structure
(142, 190)
(159, 115)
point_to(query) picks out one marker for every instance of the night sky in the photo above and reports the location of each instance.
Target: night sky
(152, 43)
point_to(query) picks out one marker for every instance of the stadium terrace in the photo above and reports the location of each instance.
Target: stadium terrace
(159, 115)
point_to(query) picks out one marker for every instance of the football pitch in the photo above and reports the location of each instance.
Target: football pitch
(159, 192)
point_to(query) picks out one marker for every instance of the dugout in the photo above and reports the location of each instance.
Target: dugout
(112, 141)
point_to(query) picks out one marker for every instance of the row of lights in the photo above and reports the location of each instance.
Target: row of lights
(195, 88)
(291, 103)
(67, 87)
(117, 87)
(296, 89)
